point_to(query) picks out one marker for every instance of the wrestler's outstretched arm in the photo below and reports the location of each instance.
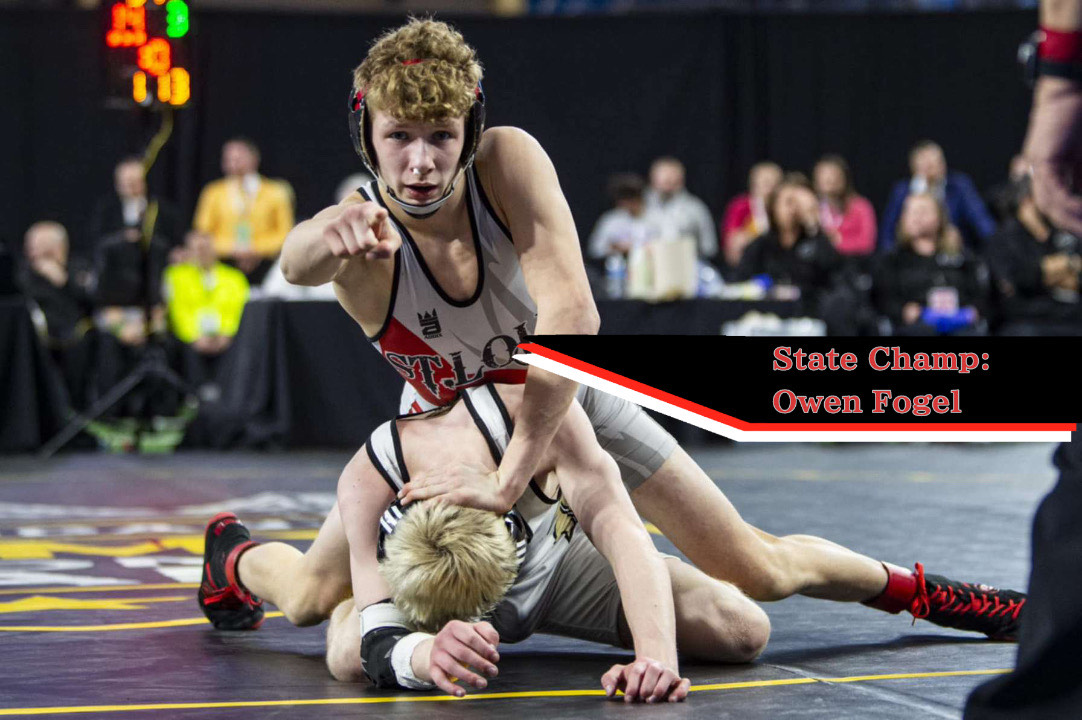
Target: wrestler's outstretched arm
(426, 660)
(590, 481)
(316, 250)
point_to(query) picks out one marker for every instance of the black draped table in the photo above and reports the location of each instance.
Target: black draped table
(303, 374)
(682, 317)
(298, 373)
(31, 395)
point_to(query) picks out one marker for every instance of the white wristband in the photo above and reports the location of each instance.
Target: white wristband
(402, 662)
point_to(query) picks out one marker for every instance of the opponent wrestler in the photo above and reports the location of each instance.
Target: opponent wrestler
(462, 246)
(572, 558)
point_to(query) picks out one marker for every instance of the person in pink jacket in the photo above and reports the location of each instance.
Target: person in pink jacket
(847, 218)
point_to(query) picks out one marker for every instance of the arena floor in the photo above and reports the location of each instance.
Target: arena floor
(100, 557)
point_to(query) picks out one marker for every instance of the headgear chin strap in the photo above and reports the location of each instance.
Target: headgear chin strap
(360, 131)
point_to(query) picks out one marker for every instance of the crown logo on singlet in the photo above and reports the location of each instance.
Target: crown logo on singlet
(430, 324)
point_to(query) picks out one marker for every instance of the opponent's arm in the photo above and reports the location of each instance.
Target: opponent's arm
(590, 480)
(391, 655)
(316, 250)
(524, 185)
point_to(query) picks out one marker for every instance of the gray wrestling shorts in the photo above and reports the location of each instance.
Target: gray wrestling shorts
(634, 439)
(581, 600)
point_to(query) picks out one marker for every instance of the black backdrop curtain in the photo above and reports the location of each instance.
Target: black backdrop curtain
(602, 94)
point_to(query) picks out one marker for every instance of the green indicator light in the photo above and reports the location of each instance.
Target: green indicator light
(176, 18)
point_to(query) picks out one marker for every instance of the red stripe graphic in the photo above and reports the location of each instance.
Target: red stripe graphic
(732, 422)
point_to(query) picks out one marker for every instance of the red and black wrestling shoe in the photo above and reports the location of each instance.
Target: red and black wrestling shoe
(967, 606)
(223, 600)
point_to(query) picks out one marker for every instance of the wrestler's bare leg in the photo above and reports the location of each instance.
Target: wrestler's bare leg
(344, 643)
(305, 586)
(682, 501)
(714, 620)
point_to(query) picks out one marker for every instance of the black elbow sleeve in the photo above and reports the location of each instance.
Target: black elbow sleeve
(376, 649)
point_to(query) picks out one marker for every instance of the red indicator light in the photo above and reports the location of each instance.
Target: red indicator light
(129, 26)
(155, 57)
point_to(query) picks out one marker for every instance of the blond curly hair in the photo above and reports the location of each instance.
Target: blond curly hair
(445, 562)
(421, 72)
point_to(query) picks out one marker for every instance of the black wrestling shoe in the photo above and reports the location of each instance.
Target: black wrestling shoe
(965, 606)
(226, 604)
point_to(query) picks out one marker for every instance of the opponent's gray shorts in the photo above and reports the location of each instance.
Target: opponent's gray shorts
(581, 601)
(634, 439)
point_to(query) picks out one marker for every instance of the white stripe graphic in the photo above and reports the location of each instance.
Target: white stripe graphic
(719, 428)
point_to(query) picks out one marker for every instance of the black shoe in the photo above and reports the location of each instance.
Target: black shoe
(226, 604)
(965, 606)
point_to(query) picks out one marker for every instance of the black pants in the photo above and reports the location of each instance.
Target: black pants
(1047, 679)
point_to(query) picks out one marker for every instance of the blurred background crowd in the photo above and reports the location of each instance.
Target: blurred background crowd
(877, 192)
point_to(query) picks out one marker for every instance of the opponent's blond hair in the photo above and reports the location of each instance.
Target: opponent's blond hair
(444, 562)
(421, 72)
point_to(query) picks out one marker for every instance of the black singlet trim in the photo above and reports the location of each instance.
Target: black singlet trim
(398, 452)
(488, 205)
(424, 265)
(394, 284)
(493, 448)
(510, 430)
(379, 466)
(502, 408)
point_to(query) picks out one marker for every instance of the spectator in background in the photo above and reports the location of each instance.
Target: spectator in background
(205, 300)
(956, 191)
(678, 212)
(627, 224)
(794, 252)
(846, 218)
(246, 214)
(1036, 269)
(129, 272)
(930, 283)
(129, 207)
(275, 285)
(1002, 198)
(745, 216)
(61, 292)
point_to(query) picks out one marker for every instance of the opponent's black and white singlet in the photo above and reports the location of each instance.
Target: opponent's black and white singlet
(440, 345)
(552, 524)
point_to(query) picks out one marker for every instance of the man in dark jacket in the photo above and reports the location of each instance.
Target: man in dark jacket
(955, 190)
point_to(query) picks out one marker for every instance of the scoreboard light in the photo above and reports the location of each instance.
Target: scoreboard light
(147, 58)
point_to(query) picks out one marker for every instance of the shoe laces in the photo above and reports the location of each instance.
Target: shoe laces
(966, 599)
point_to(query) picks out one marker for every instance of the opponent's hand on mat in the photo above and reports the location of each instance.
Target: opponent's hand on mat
(460, 483)
(362, 229)
(645, 680)
(459, 648)
(1054, 149)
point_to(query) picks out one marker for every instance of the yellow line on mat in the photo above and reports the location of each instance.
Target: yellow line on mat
(109, 628)
(482, 696)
